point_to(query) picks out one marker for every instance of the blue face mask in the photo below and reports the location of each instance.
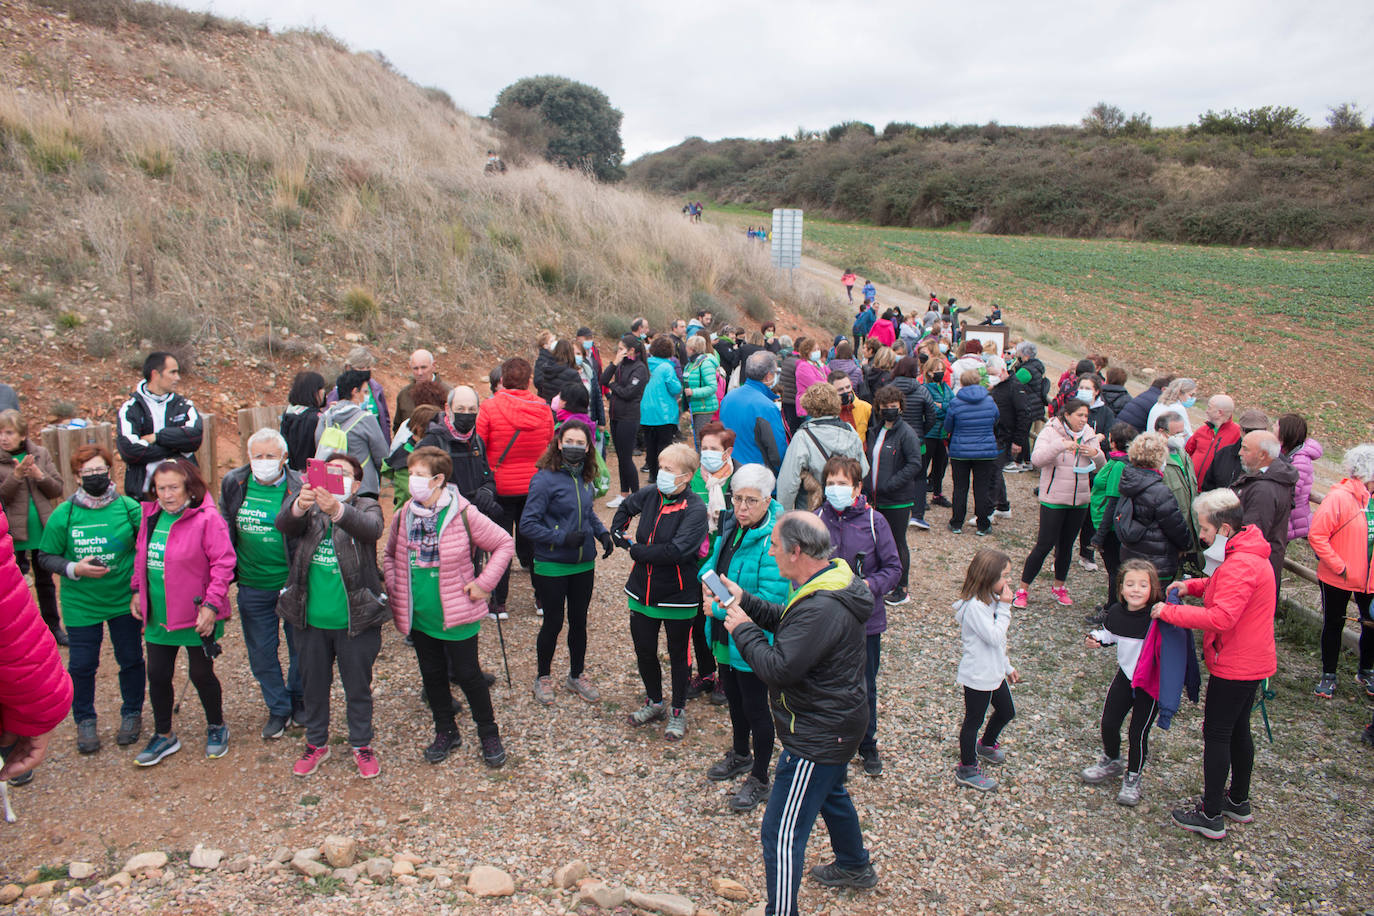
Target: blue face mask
(587, 345)
(712, 460)
(839, 496)
(666, 482)
(1189, 402)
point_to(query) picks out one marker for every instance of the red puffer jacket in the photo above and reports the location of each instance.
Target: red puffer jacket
(1237, 613)
(35, 691)
(512, 457)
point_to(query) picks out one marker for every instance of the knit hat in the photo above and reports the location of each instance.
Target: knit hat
(1253, 419)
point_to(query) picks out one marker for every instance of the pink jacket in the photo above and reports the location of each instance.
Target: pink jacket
(1340, 538)
(35, 691)
(808, 374)
(455, 562)
(883, 332)
(1060, 484)
(1300, 522)
(199, 562)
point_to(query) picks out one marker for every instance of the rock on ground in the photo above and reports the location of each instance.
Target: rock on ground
(487, 881)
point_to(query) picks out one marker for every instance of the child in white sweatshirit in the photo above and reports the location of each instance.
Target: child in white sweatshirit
(984, 615)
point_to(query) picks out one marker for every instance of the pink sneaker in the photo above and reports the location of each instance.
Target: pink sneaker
(1020, 599)
(1061, 594)
(310, 761)
(368, 767)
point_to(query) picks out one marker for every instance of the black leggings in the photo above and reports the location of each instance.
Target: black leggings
(656, 439)
(1227, 747)
(749, 718)
(1058, 529)
(1334, 602)
(554, 593)
(933, 464)
(512, 507)
(1111, 558)
(623, 437)
(701, 647)
(983, 472)
(1142, 708)
(162, 666)
(975, 707)
(436, 658)
(897, 520)
(644, 633)
(42, 586)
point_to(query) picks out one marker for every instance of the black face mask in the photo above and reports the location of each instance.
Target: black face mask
(891, 414)
(847, 398)
(96, 484)
(465, 422)
(575, 454)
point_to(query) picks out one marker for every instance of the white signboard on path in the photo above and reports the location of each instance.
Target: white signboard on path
(787, 239)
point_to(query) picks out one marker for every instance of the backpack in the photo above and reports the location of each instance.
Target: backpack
(335, 438)
(811, 486)
(602, 481)
(722, 384)
(1128, 530)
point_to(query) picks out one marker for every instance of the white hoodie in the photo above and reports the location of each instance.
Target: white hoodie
(983, 629)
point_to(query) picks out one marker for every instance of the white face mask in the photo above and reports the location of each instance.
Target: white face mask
(266, 470)
(348, 483)
(1087, 395)
(815, 356)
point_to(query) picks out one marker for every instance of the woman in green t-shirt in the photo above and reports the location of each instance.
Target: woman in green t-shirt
(90, 541)
(29, 487)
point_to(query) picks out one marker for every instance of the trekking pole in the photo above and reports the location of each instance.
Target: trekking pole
(186, 684)
(505, 661)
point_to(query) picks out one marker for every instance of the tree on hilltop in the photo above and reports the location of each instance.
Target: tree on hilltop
(1345, 118)
(565, 121)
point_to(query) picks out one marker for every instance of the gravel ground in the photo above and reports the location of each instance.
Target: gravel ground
(581, 784)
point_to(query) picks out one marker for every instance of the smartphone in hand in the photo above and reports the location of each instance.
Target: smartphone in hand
(717, 587)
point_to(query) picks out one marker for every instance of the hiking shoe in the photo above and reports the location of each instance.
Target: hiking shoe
(1020, 599)
(1130, 790)
(974, 778)
(939, 500)
(1001, 513)
(873, 762)
(956, 529)
(984, 532)
(129, 729)
(1087, 563)
(833, 875)
(583, 687)
(444, 743)
(919, 524)
(158, 748)
(730, 766)
(718, 697)
(1236, 811)
(1365, 678)
(1326, 687)
(647, 713)
(1105, 768)
(274, 727)
(368, 765)
(1061, 594)
(750, 795)
(216, 741)
(676, 729)
(1097, 618)
(493, 754)
(897, 596)
(543, 690)
(87, 739)
(1195, 820)
(409, 641)
(310, 760)
(23, 779)
(697, 685)
(615, 503)
(990, 753)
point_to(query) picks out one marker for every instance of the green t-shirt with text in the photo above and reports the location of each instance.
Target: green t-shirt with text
(110, 534)
(326, 606)
(261, 548)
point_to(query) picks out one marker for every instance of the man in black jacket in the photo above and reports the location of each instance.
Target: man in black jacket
(156, 423)
(814, 670)
(455, 433)
(1265, 488)
(1014, 416)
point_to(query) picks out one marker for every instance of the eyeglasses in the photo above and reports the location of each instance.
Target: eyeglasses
(745, 501)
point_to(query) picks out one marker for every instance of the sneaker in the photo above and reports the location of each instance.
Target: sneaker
(444, 743)
(583, 687)
(676, 729)
(1130, 790)
(833, 875)
(697, 685)
(919, 524)
(61, 636)
(956, 529)
(873, 762)
(87, 739)
(750, 795)
(1195, 820)
(897, 596)
(216, 741)
(1013, 468)
(990, 753)
(502, 615)
(493, 754)
(368, 765)
(543, 690)
(984, 532)
(310, 760)
(1098, 617)
(297, 714)
(1365, 678)
(730, 766)
(538, 611)
(494, 612)
(974, 778)
(409, 641)
(647, 713)
(615, 503)
(718, 697)
(1236, 811)
(1061, 594)
(1020, 599)
(23, 779)
(275, 727)
(1326, 687)
(158, 748)
(1105, 768)
(1087, 563)
(939, 500)
(1001, 513)
(130, 727)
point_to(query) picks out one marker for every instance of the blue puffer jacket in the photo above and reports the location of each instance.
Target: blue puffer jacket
(753, 569)
(659, 406)
(971, 424)
(557, 504)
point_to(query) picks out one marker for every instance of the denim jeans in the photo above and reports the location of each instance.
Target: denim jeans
(802, 789)
(261, 629)
(83, 660)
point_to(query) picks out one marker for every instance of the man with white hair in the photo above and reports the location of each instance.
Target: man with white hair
(421, 370)
(1265, 489)
(1213, 438)
(455, 431)
(250, 498)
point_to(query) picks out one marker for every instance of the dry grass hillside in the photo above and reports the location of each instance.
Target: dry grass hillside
(185, 181)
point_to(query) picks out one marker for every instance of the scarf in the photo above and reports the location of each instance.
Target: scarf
(715, 498)
(87, 501)
(422, 530)
(461, 437)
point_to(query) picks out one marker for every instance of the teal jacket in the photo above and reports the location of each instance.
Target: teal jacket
(658, 407)
(755, 571)
(700, 379)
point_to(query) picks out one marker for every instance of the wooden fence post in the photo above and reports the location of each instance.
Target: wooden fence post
(252, 419)
(207, 456)
(62, 442)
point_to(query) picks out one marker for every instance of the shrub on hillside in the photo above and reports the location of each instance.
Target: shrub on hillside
(358, 304)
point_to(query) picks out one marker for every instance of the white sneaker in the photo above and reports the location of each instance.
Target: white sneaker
(538, 611)
(1001, 513)
(1013, 468)
(503, 616)
(615, 503)
(1089, 565)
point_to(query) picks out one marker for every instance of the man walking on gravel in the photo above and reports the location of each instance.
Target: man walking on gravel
(814, 670)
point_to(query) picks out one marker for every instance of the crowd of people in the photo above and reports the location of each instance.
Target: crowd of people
(788, 483)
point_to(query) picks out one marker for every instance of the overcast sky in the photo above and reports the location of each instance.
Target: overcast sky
(729, 68)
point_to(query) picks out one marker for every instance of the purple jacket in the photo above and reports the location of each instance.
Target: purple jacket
(861, 530)
(1300, 522)
(199, 562)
